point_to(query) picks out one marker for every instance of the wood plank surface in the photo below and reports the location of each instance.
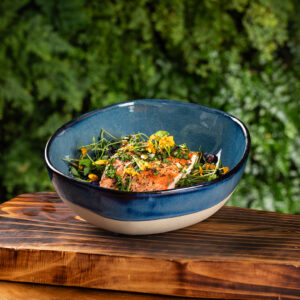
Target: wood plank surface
(235, 254)
(16, 291)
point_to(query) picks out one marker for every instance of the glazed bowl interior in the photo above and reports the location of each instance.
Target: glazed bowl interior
(195, 125)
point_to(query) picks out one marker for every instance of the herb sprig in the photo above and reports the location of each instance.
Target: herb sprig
(138, 151)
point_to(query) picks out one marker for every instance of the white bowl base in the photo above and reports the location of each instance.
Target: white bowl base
(144, 227)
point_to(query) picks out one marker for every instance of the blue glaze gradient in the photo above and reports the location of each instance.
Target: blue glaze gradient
(194, 124)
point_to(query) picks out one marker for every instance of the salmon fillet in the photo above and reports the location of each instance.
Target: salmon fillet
(158, 175)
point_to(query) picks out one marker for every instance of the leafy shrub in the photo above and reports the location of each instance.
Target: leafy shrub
(63, 58)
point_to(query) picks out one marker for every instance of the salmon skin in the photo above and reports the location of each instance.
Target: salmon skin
(147, 175)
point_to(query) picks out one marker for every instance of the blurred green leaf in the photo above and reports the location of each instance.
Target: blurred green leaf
(60, 59)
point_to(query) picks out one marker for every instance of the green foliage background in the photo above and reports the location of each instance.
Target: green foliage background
(59, 59)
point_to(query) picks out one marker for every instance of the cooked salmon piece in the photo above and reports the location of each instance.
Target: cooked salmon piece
(157, 175)
(165, 176)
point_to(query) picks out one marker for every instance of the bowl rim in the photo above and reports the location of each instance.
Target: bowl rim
(231, 172)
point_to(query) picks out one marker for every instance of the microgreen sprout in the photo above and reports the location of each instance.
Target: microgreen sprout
(140, 153)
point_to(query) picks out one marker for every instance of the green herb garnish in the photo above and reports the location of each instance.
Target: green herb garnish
(140, 153)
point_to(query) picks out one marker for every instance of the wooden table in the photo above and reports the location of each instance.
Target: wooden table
(236, 254)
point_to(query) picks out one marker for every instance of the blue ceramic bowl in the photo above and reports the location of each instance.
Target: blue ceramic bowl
(150, 212)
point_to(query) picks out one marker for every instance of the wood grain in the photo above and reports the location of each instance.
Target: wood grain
(236, 254)
(16, 291)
